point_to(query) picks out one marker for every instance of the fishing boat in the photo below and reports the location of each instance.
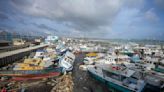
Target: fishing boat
(122, 58)
(33, 61)
(34, 64)
(32, 73)
(41, 76)
(39, 53)
(47, 57)
(47, 61)
(88, 60)
(155, 82)
(93, 58)
(109, 59)
(61, 49)
(160, 67)
(34, 68)
(24, 66)
(128, 52)
(91, 55)
(142, 67)
(117, 77)
(67, 61)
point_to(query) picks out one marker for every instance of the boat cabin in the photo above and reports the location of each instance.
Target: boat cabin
(118, 72)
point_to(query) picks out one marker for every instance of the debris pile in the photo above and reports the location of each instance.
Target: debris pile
(64, 84)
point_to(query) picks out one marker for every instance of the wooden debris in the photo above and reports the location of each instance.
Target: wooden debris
(64, 84)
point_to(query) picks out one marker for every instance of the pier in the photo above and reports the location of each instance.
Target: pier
(12, 56)
(11, 48)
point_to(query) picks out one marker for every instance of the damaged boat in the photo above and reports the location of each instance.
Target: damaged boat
(35, 68)
(117, 78)
(67, 61)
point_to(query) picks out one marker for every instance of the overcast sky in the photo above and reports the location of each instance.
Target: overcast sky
(125, 19)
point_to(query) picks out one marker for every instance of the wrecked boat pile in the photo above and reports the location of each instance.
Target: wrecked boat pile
(118, 67)
(50, 62)
(143, 67)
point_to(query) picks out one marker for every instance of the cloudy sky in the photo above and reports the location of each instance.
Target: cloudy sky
(125, 19)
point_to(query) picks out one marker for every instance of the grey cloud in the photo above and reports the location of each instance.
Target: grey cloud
(3, 16)
(87, 17)
(43, 26)
(134, 3)
(83, 14)
(150, 15)
(23, 3)
(160, 3)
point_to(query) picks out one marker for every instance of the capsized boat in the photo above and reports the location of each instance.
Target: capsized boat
(117, 78)
(67, 61)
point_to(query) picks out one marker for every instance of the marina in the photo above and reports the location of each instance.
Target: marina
(114, 70)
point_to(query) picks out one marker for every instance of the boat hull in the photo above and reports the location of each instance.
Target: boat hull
(35, 77)
(159, 70)
(31, 73)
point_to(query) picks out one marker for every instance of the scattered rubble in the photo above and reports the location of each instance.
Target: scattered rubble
(64, 84)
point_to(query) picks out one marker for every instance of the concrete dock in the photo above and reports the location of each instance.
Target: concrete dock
(12, 56)
(11, 48)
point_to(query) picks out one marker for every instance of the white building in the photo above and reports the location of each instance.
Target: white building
(51, 40)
